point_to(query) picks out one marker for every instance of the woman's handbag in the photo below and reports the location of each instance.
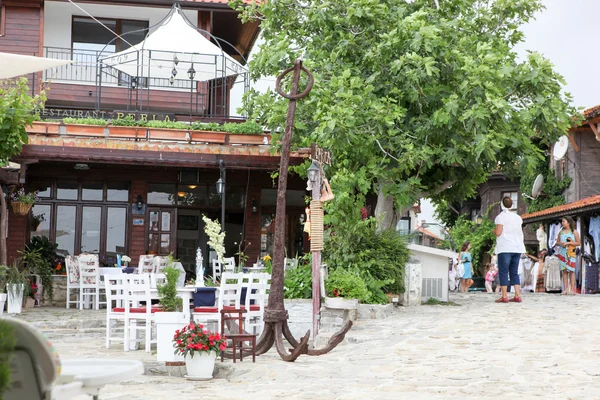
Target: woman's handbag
(461, 269)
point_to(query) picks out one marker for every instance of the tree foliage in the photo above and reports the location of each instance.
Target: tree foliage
(552, 194)
(16, 112)
(481, 237)
(409, 97)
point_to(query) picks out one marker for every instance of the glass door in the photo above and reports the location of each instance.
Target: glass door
(161, 231)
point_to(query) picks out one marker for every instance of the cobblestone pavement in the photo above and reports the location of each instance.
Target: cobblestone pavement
(546, 347)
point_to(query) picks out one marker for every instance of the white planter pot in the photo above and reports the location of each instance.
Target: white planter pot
(201, 366)
(2, 301)
(15, 298)
(341, 303)
(166, 325)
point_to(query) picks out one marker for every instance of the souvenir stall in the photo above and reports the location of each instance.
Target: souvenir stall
(586, 213)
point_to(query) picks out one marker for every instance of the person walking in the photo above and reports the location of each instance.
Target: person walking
(509, 247)
(568, 240)
(465, 258)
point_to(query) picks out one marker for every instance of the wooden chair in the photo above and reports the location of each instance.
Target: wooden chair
(229, 298)
(115, 306)
(229, 264)
(160, 263)
(146, 264)
(217, 267)
(257, 296)
(239, 337)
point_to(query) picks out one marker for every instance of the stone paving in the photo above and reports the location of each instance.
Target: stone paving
(546, 347)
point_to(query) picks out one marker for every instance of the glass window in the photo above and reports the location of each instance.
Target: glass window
(165, 243)
(65, 229)
(153, 221)
(153, 243)
(43, 187)
(117, 191)
(40, 220)
(90, 229)
(165, 221)
(90, 35)
(403, 226)
(67, 190)
(234, 197)
(292, 197)
(267, 234)
(92, 191)
(474, 213)
(162, 193)
(115, 230)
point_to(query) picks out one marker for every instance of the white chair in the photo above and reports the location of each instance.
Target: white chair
(257, 296)
(229, 264)
(145, 264)
(229, 298)
(115, 306)
(217, 268)
(72, 265)
(137, 290)
(89, 279)
(290, 263)
(160, 263)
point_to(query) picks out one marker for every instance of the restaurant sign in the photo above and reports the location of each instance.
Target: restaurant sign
(58, 113)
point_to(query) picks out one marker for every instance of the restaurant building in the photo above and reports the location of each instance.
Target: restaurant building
(143, 189)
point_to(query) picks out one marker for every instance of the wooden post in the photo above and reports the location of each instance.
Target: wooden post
(316, 265)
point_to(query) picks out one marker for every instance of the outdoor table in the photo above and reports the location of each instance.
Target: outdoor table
(95, 373)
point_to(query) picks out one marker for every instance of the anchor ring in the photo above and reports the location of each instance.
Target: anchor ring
(311, 82)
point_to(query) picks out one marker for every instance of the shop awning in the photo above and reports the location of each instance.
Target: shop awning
(13, 65)
(177, 46)
(583, 206)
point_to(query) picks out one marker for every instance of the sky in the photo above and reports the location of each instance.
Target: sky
(565, 34)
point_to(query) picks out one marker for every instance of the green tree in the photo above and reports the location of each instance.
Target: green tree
(16, 112)
(552, 192)
(413, 100)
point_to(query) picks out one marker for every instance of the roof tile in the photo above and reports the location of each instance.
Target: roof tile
(574, 206)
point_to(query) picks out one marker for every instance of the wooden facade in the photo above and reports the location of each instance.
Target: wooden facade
(582, 165)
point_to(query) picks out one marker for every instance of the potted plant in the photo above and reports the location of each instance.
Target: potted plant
(87, 126)
(171, 317)
(15, 287)
(3, 295)
(39, 256)
(30, 292)
(126, 260)
(200, 348)
(21, 202)
(345, 288)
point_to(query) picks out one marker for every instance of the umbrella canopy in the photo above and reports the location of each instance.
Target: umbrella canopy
(12, 65)
(175, 46)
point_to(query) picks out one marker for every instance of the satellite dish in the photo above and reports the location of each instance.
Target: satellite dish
(537, 186)
(560, 148)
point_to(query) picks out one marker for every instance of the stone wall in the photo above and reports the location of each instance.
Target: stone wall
(59, 283)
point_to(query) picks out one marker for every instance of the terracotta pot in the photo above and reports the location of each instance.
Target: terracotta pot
(87, 130)
(168, 134)
(208, 137)
(127, 132)
(248, 139)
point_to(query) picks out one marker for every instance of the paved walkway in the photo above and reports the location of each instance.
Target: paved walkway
(546, 347)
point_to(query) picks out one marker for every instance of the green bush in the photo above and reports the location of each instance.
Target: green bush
(244, 128)
(86, 121)
(167, 293)
(379, 255)
(206, 126)
(347, 283)
(7, 344)
(167, 124)
(298, 283)
(127, 121)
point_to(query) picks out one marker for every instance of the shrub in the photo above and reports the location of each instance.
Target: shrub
(86, 121)
(127, 121)
(379, 255)
(244, 128)
(206, 126)
(347, 283)
(167, 124)
(167, 292)
(298, 283)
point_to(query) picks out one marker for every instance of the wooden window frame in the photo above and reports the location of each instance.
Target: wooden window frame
(119, 28)
(104, 205)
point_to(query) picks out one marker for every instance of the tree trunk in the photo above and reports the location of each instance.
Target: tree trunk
(3, 211)
(384, 210)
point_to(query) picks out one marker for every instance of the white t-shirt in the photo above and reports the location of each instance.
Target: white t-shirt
(511, 240)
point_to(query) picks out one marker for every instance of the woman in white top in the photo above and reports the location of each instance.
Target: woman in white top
(509, 247)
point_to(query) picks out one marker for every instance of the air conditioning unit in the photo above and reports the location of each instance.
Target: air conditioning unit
(434, 270)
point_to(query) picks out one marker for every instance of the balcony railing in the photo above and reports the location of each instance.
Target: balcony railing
(86, 65)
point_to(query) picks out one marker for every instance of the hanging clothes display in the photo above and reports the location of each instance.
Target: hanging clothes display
(542, 238)
(594, 231)
(553, 230)
(526, 266)
(553, 282)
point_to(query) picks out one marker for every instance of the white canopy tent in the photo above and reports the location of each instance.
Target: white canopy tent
(13, 65)
(175, 46)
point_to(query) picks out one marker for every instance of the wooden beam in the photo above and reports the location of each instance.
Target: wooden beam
(593, 126)
(572, 140)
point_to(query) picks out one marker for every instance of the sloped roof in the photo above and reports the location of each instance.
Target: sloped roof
(427, 232)
(591, 112)
(583, 205)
